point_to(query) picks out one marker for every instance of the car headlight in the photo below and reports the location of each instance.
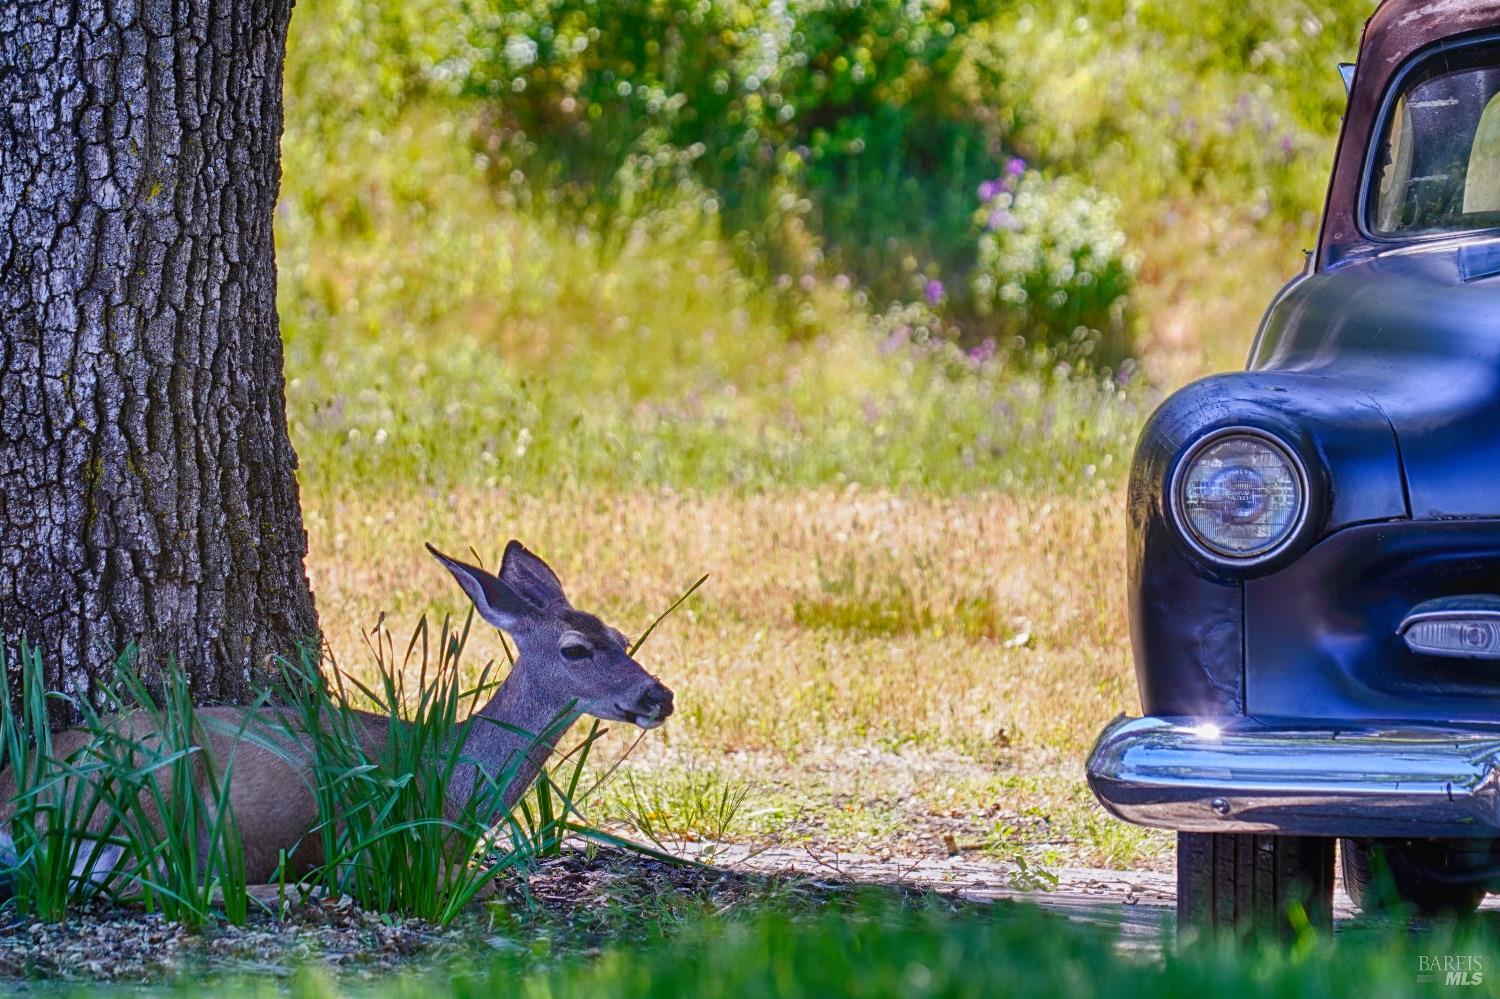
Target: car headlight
(1240, 495)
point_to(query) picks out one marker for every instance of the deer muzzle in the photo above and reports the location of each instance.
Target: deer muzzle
(652, 708)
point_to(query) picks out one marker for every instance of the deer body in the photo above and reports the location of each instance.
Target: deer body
(567, 660)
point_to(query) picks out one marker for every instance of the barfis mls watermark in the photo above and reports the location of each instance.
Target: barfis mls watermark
(1451, 969)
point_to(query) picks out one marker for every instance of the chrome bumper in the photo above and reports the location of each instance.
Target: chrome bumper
(1243, 775)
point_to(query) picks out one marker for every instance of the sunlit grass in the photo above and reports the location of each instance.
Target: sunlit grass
(674, 807)
(469, 340)
(748, 674)
(445, 327)
(1025, 694)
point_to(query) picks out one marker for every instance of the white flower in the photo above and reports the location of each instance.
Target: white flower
(520, 51)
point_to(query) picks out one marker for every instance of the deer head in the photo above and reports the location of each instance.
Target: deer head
(571, 655)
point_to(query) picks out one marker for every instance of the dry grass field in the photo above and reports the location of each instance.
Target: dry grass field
(870, 670)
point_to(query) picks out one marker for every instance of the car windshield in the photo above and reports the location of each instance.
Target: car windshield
(1438, 165)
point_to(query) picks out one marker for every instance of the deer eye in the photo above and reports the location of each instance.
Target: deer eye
(577, 652)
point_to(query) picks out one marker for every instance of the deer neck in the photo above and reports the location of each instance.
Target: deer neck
(495, 741)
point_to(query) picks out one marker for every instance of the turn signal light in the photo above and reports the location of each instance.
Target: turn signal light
(1458, 627)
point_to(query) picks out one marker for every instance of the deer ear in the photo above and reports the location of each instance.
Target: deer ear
(496, 602)
(532, 578)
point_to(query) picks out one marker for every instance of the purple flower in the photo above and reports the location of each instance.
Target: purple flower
(990, 189)
(900, 337)
(982, 352)
(1002, 219)
(1015, 166)
(934, 291)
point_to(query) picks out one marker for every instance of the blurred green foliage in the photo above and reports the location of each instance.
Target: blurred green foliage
(1051, 259)
(1162, 101)
(709, 244)
(851, 135)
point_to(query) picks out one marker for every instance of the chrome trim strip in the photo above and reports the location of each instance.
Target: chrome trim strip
(1245, 775)
(1418, 616)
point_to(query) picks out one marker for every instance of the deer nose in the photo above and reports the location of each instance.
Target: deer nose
(657, 700)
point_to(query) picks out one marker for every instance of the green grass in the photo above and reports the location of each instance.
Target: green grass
(141, 798)
(169, 794)
(1010, 950)
(1119, 845)
(391, 837)
(61, 818)
(691, 805)
(879, 947)
(447, 324)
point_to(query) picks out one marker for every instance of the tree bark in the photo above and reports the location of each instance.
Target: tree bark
(147, 481)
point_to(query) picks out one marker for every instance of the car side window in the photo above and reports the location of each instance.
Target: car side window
(1482, 185)
(1437, 160)
(1395, 179)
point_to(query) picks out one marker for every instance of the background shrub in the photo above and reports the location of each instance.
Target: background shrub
(834, 136)
(1052, 261)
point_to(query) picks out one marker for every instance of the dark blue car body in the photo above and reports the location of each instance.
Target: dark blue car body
(1285, 700)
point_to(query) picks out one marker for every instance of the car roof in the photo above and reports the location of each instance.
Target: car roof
(1397, 30)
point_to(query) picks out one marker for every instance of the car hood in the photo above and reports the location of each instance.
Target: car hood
(1416, 332)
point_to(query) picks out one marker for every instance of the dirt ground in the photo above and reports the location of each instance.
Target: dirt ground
(565, 896)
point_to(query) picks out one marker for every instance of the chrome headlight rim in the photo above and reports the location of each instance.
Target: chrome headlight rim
(1226, 558)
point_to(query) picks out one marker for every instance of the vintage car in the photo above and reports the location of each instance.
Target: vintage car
(1314, 542)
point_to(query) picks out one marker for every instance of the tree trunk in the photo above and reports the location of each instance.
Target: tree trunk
(147, 484)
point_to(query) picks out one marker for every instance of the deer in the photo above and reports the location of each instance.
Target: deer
(568, 663)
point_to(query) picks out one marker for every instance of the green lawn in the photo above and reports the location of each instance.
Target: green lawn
(875, 948)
